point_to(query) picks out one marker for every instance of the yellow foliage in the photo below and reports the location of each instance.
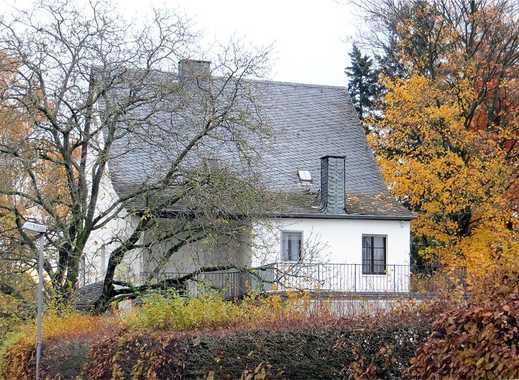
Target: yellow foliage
(10, 314)
(67, 324)
(48, 177)
(456, 178)
(210, 310)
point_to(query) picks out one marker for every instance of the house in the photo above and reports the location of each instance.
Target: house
(340, 209)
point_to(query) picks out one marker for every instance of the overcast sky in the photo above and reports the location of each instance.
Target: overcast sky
(310, 39)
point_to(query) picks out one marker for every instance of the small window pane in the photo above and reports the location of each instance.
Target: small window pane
(379, 241)
(291, 246)
(366, 253)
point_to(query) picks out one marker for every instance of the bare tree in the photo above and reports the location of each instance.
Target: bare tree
(482, 34)
(96, 89)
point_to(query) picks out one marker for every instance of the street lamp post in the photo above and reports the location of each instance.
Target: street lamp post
(38, 229)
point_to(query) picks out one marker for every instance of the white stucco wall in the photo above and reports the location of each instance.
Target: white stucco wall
(337, 240)
(332, 250)
(336, 244)
(104, 240)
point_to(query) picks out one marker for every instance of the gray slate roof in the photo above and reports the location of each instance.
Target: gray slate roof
(307, 122)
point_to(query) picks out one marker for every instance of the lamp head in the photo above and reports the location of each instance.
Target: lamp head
(35, 227)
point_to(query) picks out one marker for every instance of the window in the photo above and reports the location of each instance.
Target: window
(304, 175)
(291, 245)
(373, 254)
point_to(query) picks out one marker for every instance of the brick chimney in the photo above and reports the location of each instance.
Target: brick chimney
(333, 184)
(189, 69)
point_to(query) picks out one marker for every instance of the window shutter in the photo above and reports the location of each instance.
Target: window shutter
(284, 250)
(290, 247)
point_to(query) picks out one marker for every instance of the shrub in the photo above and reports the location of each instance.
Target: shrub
(72, 330)
(273, 337)
(171, 311)
(68, 324)
(13, 313)
(478, 340)
(301, 350)
(261, 337)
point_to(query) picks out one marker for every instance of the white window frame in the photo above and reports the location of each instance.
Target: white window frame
(281, 246)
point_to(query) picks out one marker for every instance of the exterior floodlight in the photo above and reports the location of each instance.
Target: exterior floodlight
(39, 229)
(35, 227)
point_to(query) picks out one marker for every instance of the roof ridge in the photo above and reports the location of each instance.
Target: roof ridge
(174, 74)
(285, 83)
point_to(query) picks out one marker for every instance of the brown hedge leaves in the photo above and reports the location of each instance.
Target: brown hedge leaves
(479, 341)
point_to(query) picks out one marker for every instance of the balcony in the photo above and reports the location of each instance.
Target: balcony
(283, 276)
(349, 278)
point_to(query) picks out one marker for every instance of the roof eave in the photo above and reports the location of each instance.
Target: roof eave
(344, 216)
(169, 214)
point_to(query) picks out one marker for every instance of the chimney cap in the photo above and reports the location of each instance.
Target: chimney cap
(194, 60)
(332, 156)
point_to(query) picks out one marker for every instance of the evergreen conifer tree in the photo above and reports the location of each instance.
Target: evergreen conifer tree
(363, 84)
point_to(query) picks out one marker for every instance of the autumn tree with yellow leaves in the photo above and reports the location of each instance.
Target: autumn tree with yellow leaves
(16, 262)
(447, 141)
(457, 179)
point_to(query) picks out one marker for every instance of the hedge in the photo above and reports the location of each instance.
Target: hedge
(318, 352)
(310, 350)
(475, 337)
(479, 340)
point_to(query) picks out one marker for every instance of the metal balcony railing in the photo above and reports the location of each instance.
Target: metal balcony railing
(341, 277)
(283, 276)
